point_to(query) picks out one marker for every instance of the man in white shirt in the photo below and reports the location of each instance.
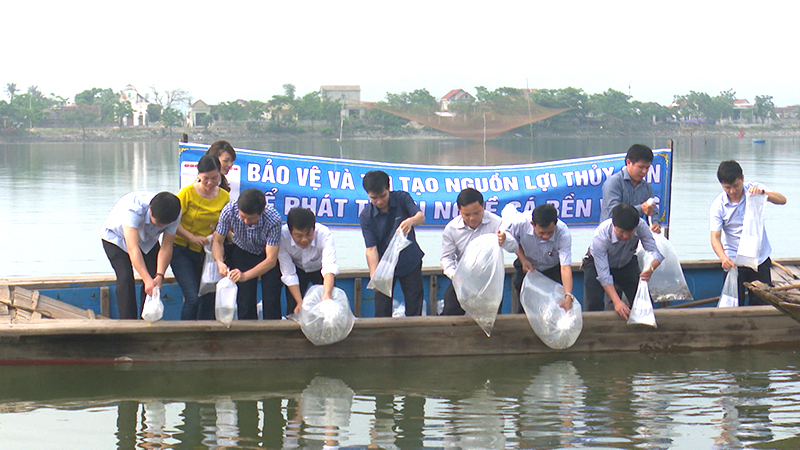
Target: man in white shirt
(727, 221)
(307, 255)
(472, 221)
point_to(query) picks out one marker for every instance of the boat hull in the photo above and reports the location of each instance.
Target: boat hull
(679, 330)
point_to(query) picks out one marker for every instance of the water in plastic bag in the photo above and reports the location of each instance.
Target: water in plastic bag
(752, 231)
(729, 298)
(556, 327)
(642, 309)
(211, 275)
(478, 280)
(153, 308)
(326, 321)
(383, 278)
(225, 302)
(667, 282)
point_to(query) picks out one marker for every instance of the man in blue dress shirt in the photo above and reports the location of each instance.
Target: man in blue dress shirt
(386, 212)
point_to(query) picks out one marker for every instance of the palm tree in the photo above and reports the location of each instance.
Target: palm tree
(11, 89)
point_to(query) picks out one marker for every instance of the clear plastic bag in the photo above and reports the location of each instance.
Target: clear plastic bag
(383, 278)
(729, 298)
(556, 327)
(326, 321)
(153, 308)
(478, 281)
(211, 275)
(642, 308)
(752, 231)
(510, 215)
(225, 302)
(667, 282)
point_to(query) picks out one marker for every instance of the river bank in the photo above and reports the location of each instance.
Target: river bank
(210, 134)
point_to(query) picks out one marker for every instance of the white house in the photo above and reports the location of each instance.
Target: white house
(138, 105)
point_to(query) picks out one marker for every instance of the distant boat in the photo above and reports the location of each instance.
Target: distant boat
(759, 141)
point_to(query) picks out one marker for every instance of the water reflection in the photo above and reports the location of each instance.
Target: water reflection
(703, 400)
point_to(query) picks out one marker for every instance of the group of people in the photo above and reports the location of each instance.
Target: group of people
(250, 245)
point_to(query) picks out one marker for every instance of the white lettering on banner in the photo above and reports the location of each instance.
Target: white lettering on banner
(543, 181)
(491, 204)
(444, 210)
(346, 178)
(362, 203)
(588, 177)
(572, 208)
(654, 174)
(452, 185)
(325, 209)
(309, 177)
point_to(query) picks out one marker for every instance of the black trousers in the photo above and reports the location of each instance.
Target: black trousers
(746, 274)
(246, 297)
(411, 283)
(626, 280)
(125, 287)
(306, 279)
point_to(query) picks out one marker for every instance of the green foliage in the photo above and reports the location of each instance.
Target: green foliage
(154, 112)
(764, 108)
(171, 118)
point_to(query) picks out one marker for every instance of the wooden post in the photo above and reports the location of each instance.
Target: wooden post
(433, 287)
(357, 297)
(105, 309)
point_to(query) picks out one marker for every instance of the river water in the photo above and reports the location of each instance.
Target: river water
(57, 194)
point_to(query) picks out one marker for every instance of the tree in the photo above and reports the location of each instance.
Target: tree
(764, 108)
(11, 89)
(82, 116)
(611, 105)
(153, 112)
(123, 109)
(171, 118)
(563, 98)
(174, 98)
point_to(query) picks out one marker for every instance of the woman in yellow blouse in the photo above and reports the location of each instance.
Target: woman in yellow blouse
(201, 203)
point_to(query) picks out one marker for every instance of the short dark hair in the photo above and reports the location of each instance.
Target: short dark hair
(220, 147)
(165, 207)
(252, 201)
(729, 171)
(625, 216)
(375, 181)
(544, 214)
(208, 163)
(469, 196)
(639, 152)
(300, 219)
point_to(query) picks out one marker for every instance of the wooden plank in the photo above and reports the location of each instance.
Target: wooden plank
(5, 299)
(105, 307)
(357, 297)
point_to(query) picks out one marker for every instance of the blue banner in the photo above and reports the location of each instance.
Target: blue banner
(331, 188)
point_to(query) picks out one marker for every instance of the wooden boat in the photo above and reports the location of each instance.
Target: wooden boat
(785, 295)
(680, 329)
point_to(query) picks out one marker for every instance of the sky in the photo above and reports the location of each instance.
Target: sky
(228, 50)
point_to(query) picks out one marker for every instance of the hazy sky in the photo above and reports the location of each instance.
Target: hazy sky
(225, 50)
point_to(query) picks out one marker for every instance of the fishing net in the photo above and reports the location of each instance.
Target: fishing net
(475, 121)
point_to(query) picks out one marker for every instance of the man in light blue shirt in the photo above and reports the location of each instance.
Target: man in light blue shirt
(611, 263)
(130, 235)
(545, 245)
(727, 221)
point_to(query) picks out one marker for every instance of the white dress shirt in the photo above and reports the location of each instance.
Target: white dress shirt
(457, 236)
(546, 254)
(320, 255)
